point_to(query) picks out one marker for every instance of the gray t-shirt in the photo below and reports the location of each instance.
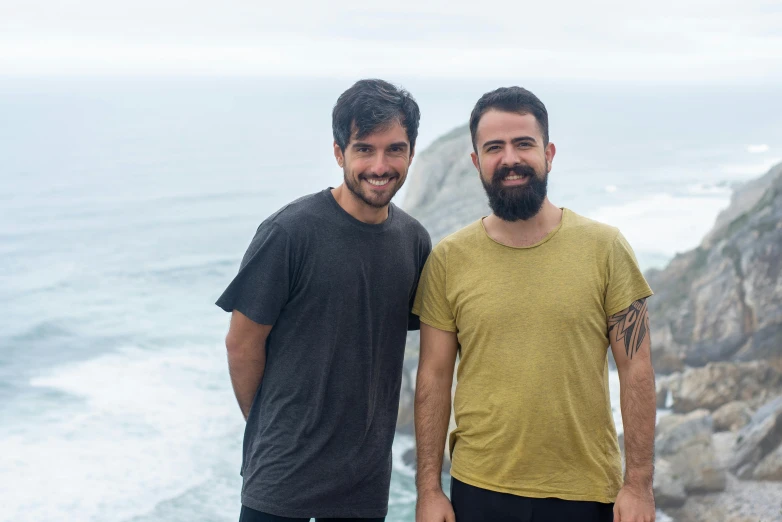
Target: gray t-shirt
(338, 292)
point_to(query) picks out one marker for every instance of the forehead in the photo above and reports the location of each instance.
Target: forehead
(393, 132)
(501, 125)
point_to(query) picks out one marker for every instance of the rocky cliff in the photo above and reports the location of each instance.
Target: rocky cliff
(723, 300)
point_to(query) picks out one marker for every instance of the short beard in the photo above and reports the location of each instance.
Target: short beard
(355, 188)
(520, 202)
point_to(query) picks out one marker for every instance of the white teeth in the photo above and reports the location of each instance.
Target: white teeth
(378, 182)
(513, 176)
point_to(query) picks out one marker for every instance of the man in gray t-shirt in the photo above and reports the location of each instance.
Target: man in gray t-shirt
(320, 311)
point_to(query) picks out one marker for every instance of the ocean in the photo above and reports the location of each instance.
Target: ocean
(125, 207)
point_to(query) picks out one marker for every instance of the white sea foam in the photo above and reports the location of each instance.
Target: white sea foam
(143, 432)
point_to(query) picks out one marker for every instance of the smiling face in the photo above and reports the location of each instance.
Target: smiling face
(513, 163)
(375, 166)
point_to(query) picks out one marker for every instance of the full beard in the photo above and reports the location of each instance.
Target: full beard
(367, 195)
(520, 202)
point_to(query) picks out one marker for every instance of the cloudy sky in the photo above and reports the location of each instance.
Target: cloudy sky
(664, 41)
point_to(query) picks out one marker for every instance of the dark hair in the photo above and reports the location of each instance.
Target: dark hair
(371, 105)
(510, 99)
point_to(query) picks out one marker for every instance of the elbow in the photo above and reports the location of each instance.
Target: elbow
(235, 346)
(434, 381)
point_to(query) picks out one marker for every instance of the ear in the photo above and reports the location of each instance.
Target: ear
(338, 155)
(475, 161)
(551, 150)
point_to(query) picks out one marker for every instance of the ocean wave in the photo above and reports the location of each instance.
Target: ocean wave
(664, 223)
(147, 428)
(42, 331)
(189, 265)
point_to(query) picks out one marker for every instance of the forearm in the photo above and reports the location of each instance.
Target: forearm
(432, 414)
(638, 403)
(246, 371)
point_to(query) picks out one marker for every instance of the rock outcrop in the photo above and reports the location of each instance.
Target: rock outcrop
(759, 439)
(732, 416)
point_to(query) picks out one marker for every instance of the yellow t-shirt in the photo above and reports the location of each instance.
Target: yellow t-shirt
(532, 408)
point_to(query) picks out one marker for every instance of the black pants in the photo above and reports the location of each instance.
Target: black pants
(251, 515)
(473, 504)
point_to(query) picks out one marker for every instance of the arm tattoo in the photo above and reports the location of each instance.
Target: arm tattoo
(632, 326)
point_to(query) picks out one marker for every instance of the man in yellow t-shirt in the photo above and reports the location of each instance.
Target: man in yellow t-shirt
(531, 297)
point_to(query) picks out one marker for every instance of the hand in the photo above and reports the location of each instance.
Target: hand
(434, 507)
(634, 504)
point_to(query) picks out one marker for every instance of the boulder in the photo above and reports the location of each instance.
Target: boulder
(719, 383)
(724, 447)
(685, 441)
(732, 416)
(758, 439)
(770, 468)
(668, 487)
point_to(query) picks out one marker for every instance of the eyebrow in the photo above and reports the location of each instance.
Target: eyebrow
(514, 140)
(360, 144)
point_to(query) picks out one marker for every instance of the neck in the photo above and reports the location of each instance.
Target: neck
(524, 232)
(354, 206)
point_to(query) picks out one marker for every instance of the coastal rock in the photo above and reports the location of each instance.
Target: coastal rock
(685, 442)
(720, 383)
(758, 439)
(724, 447)
(723, 300)
(770, 468)
(668, 487)
(667, 354)
(732, 416)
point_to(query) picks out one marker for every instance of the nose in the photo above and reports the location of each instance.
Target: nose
(509, 157)
(380, 164)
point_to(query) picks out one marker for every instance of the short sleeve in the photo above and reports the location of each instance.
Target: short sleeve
(260, 290)
(424, 249)
(625, 282)
(431, 302)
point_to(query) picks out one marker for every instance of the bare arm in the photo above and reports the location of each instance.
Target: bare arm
(628, 332)
(246, 346)
(432, 413)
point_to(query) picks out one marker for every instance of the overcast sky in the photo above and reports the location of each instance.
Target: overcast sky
(666, 41)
